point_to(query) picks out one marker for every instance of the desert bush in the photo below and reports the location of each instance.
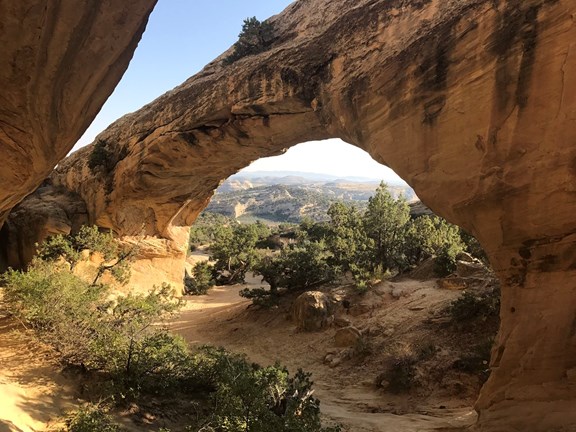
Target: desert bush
(70, 247)
(202, 279)
(207, 228)
(234, 251)
(473, 247)
(427, 236)
(105, 156)
(63, 308)
(475, 306)
(90, 418)
(131, 345)
(247, 397)
(445, 263)
(476, 359)
(260, 296)
(385, 222)
(400, 376)
(254, 38)
(120, 337)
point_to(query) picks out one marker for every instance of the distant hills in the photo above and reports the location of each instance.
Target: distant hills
(288, 196)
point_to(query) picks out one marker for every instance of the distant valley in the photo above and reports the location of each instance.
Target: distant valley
(290, 196)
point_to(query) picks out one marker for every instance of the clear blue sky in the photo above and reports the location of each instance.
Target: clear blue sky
(184, 35)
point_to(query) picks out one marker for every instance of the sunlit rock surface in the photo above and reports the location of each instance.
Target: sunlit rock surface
(59, 62)
(472, 102)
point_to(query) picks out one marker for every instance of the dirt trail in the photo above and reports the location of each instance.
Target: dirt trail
(33, 393)
(347, 395)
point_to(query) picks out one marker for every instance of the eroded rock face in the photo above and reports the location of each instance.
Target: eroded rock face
(472, 102)
(48, 211)
(59, 62)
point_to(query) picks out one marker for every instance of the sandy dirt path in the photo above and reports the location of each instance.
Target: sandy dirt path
(33, 394)
(223, 318)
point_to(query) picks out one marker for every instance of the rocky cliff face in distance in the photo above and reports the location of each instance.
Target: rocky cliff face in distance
(59, 62)
(472, 102)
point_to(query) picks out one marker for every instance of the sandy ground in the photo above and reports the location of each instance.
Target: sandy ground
(33, 393)
(347, 393)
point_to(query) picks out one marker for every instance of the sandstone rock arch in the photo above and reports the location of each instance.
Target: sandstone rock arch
(60, 62)
(472, 102)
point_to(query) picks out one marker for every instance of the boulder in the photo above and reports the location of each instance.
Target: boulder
(312, 311)
(468, 269)
(347, 337)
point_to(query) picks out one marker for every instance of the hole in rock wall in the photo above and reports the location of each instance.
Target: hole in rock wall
(303, 182)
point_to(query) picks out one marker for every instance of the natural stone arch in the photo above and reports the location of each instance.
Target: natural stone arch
(60, 61)
(470, 101)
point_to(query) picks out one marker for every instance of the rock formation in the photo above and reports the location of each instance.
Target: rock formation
(60, 62)
(472, 102)
(48, 211)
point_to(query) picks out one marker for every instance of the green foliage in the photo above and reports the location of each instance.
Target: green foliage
(133, 347)
(70, 247)
(472, 306)
(254, 38)
(90, 418)
(234, 252)
(207, 228)
(247, 397)
(202, 279)
(446, 260)
(105, 157)
(120, 337)
(100, 156)
(473, 247)
(56, 303)
(385, 221)
(260, 296)
(427, 236)
(348, 241)
(59, 246)
(299, 267)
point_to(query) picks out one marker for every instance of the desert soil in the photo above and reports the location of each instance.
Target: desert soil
(34, 392)
(347, 392)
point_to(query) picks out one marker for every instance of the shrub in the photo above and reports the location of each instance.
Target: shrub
(202, 279)
(69, 247)
(101, 156)
(120, 337)
(234, 252)
(430, 235)
(260, 296)
(207, 228)
(90, 418)
(131, 345)
(473, 306)
(254, 38)
(473, 247)
(446, 260)
(476, 360)
(58, 304)
(245, 396)
(105, 156)
(402, 374)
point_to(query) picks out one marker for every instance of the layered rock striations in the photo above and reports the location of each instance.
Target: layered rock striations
(472, 102)
(60, 60)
